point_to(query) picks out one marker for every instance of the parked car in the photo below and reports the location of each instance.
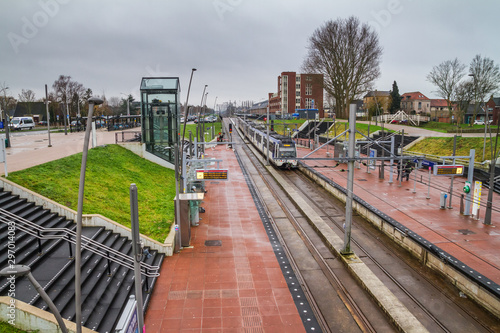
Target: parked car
(478, 122)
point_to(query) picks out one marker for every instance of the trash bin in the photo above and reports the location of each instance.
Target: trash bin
(442, 200)
(184, 214)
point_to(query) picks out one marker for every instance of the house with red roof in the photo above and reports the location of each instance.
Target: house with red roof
(415, 103)
(439, 111)
(493, 106)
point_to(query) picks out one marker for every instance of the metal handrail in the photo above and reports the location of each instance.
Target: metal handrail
(368, 145)
(87, 243)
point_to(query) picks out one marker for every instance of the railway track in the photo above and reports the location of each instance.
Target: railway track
(431, 301)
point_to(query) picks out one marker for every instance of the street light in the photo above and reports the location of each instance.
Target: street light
(485, 113)
(78, 246)
(22, 270)
(179, 151)
(48, 116)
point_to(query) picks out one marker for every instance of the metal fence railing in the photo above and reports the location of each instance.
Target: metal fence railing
(127, 136)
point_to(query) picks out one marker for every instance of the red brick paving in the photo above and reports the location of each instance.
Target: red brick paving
(479, 250)
(235, 287)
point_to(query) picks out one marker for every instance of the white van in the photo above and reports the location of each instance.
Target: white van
(18, 123)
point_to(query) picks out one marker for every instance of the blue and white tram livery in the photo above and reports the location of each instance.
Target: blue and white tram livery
(283, 152)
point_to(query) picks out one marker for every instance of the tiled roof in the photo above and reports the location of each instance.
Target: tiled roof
(378, 94)
(413, 95)
(439, 103)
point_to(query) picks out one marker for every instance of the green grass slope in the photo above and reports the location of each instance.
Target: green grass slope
(110, 171)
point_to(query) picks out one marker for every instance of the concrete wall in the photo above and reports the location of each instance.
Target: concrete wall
(140, 149)
(89, 220)
(466, 285)
(31, 318)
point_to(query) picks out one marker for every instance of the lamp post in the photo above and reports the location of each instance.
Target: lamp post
(186, 110)
(179, 151)
(200, 114)
(78, 246)
(22, 270)
(48, 116)
(485, 113)
(204, 101)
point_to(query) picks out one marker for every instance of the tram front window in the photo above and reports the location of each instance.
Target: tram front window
(287, 152)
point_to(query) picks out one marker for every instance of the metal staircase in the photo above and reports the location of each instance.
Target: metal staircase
(44, 241)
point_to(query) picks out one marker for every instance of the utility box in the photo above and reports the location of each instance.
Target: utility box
(442, 200)
(185, 215)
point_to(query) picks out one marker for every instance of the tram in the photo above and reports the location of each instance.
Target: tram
(283, 152)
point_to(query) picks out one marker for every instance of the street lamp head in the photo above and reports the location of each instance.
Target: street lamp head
(194, 69)
(16, 270)
(95, 100)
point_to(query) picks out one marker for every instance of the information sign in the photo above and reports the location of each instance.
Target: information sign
(448, 170)
(211, 174)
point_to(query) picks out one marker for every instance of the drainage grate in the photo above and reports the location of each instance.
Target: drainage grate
(362, 180)
(466, 232)
(213, 243)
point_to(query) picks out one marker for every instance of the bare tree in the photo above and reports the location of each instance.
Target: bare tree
(486, 78)
(75, 93)
(348, 54)
(464, 94)
(446, 77)
(27, 97)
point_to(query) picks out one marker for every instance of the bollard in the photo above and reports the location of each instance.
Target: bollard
(462, 204)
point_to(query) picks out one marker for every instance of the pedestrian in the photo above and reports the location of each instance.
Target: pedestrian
(398, 168)
(408, 169)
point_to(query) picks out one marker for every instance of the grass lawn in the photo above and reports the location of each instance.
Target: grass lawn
(444, 147)
(208, 129)
(7, 328)
(363, 128)
(110, 171)
(451, 128)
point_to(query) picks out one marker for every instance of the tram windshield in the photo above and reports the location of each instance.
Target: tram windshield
(287, 152)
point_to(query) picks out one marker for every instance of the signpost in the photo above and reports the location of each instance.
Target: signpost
(476, 202)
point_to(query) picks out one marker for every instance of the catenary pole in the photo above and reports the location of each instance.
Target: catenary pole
(350, 180)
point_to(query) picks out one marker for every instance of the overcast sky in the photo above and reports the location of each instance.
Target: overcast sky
(239, 47)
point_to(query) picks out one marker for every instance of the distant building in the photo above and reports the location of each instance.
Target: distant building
(415, 103)
(381, 97)
(439, 111)
(37, 110)
(493, 107)
(297, 91)
(258, 108)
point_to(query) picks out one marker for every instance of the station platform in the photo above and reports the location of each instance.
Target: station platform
(229, 279)
(464, 237)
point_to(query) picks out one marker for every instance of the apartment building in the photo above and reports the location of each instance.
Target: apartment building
(297, 91)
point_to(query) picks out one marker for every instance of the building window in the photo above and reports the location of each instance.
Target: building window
(308, 78)
(419, 105)
(297, 93)
(297, 78)
(297, 86)
(308, 103)
(309, 89)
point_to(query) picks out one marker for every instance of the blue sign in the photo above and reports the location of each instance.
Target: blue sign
(426, 163)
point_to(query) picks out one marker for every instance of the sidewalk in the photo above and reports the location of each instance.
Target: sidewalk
(232, 287)
(235, 286)
(465, 238)
(31, 148)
